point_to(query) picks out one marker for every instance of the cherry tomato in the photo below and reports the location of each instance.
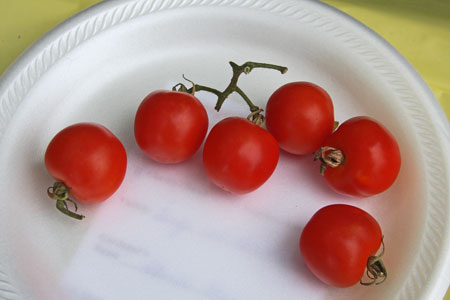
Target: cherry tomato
(370, 158)
(170, 126)
(337, 244)
(88, 159)
(300, 115)
(239, 156)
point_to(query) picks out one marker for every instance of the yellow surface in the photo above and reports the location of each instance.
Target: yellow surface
(418, 29)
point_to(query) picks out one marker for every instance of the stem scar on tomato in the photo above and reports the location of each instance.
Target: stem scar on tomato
(330, 157)
(60, 192)
(376, 271)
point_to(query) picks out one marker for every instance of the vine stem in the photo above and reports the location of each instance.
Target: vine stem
(376, 271)
(60, 192)
(245, 68)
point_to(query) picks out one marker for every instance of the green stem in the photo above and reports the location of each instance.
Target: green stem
(60, 192)
(61, 206)
(203, 88)
(252, 106)
(250, 65)
(232, 86)
(376, 270)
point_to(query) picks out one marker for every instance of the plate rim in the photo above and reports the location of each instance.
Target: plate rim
(21, 75)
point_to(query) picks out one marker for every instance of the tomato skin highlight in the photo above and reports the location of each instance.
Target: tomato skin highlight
(170, 126)
(300, 115)
(372, 158)
(239, 156)
(337, 242)
(89, 159)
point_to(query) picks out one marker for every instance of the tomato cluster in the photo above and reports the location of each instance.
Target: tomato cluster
(359, 158)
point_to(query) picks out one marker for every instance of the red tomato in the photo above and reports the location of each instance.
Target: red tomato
(239, 156)
(170, 126)
(371, 158)
(88, 159)
(300, 116)
(337, 243)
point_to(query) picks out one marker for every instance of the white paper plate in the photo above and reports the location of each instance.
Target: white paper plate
(170, 234)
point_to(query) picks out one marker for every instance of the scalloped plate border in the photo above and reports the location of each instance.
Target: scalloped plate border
(434, 251)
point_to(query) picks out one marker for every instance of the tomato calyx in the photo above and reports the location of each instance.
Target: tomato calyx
(179, 87)
(232, 87)
(257, 118)
(376, 271)
(60, 192)
(330, 157)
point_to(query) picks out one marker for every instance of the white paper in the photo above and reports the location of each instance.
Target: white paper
(169, 233)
